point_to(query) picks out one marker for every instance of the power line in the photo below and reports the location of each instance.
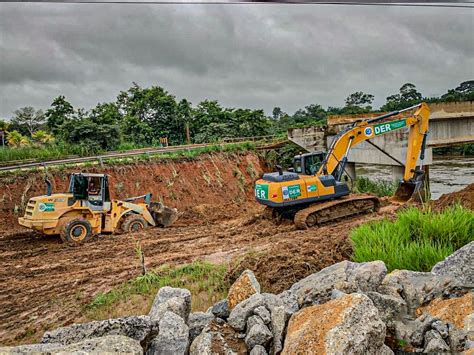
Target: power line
(467, 4)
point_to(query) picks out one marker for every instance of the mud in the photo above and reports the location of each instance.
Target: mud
(465, 198)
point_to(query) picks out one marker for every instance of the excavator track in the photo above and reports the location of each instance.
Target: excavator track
(330, 211)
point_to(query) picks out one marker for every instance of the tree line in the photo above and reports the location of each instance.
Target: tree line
(141, 116)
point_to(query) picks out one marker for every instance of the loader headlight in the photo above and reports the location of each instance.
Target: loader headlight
(41, 207)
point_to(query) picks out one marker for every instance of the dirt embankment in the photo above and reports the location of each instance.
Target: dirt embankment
(465, 198)
(210, 179)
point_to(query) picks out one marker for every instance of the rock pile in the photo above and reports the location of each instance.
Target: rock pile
(355, 308)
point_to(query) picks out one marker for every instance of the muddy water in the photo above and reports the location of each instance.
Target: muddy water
(447, 174)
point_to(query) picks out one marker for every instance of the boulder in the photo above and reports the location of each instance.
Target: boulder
(390, 308)
(244, 287)
(418, 288)
(452, 310)
(140, 328)
(459, 265)
(176, 300)
(253, 320)
(278, 324)
(435, 343)
(263, 313)
(346, 276)
(218, 338)
(258, 350)
(106, 344)
(469, 329)
(240, 313)
(197, 321)
(458, 339)
(290, 300)
(221, 309)
(173, 337)
(350, 324)
(258, 334)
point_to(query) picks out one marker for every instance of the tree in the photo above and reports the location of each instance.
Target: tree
(359, 99)
(27, 120)
(61, 111)
(277, 113)
(16, 139)
(408, 96)
(311, 115)
(92, 136)
(106, 113)
(155, 107)
(464, 92)
(136, 131)
(42, 137)
(184, 118)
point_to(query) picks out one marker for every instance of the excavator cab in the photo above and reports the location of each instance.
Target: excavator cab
(309, 163)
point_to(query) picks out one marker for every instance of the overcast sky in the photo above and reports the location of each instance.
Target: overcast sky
(256, 56)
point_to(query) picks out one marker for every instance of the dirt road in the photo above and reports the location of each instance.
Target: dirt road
(43, 283)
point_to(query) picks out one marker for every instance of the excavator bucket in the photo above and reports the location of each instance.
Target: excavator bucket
(163, 215)
(406, 190)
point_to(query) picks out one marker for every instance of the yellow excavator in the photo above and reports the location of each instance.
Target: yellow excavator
(87, 209)
(313, 193)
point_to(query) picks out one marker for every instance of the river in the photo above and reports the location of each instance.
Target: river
(447, 174)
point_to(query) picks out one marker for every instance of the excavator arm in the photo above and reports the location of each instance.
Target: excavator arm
(337, 155)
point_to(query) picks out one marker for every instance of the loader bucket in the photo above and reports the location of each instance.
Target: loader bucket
(163, 215)
(406, 190)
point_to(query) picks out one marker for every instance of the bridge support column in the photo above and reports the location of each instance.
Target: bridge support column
(397, 173)
(351, 171)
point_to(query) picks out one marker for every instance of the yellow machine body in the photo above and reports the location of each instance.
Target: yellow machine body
(48, 214)
(87, 209)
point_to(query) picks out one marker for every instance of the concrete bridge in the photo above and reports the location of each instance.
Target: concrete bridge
(450, 124)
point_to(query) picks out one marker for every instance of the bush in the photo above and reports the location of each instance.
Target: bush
(416, 240)
(378, 187)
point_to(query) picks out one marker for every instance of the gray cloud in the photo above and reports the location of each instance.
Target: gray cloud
(257, 56)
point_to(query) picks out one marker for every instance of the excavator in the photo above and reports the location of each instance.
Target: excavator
(312, 193)
(86, 209)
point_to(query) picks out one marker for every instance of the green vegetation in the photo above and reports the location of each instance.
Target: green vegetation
(143, 117)
(205, 282)
(179, 155)
(416, 240)
(378, 187)
(465, 149)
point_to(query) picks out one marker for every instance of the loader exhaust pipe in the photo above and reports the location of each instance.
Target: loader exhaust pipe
(49, 186)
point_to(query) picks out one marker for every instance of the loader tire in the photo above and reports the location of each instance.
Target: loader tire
(76, 232)
(134, 223)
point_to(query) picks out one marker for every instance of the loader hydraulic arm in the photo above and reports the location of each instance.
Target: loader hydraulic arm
(336, 157)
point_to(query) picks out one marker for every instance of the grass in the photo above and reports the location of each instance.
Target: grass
(180, 155)
(416, 240)
(205, 281)
(378, 187)
(62, 150)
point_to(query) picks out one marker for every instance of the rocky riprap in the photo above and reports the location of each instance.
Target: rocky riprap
(354, 308)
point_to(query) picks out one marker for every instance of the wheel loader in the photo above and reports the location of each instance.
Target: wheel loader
(312, 193)
(87, 209)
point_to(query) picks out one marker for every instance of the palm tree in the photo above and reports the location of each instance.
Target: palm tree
(42, 137)
(15, 139)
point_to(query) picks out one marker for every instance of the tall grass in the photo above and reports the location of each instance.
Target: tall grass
(416, 240)
(378, 187)
(205, 281)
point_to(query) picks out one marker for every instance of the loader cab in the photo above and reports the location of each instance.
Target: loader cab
(92, 190)
(309, 163)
